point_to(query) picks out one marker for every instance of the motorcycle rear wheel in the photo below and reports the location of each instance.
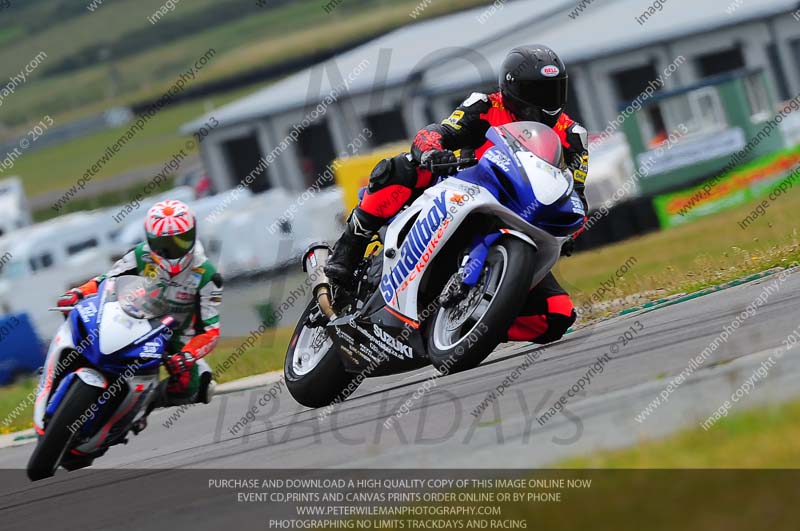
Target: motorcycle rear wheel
(77, 463)
(314, 374)
(460, 337)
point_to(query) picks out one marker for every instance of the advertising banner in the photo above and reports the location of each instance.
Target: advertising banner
(740, 186)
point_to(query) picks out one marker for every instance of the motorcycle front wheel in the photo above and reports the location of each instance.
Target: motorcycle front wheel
(52, 446)
(463, 334)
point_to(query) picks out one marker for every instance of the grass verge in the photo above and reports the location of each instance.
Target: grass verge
(11, 397)
(266, 355)
(258, 37)
(759, 438)
(729, 478)
(59, 167)
(707, 252)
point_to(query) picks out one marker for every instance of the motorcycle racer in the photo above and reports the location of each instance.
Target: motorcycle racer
(533, 87)
(176, 263)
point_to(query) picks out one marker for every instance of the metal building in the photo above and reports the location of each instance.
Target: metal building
(399, 82)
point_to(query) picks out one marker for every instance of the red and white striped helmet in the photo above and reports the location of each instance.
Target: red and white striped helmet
(170, 229)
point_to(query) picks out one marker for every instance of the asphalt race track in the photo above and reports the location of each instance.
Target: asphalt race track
(442, 428)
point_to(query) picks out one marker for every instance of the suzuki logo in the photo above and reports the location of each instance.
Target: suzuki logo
(393, 342)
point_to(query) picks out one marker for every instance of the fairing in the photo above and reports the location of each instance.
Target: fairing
(114, 351)
(518, 182)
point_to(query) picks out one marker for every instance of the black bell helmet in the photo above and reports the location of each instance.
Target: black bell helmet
(533, 82)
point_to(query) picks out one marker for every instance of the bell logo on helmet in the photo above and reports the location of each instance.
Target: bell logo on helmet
(550, 71)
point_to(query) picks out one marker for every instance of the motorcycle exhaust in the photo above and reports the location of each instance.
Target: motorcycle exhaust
(314, 259)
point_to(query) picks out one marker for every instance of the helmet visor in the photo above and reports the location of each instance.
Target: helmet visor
(172, 247)
(547, 94)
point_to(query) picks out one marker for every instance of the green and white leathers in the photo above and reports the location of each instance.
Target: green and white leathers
(195, 294)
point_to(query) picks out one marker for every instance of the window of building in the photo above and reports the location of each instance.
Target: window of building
(795, 46)
(707, 107)
(42, 261)
(651, 123)
(632, 82)
(758, 97)
(315, 150)
(780, 73)
(387, 126)
(75, 248)
(696, 112)
(243, 156)
(712, 64)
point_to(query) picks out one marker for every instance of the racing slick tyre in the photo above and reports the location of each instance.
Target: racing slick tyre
(77, 463)
(463, 334)
(314, 374)
(55, 442)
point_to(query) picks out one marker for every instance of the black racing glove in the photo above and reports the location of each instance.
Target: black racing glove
(431, 159)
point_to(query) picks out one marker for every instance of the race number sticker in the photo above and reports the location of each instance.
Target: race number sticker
(453, 120)
(580, 174)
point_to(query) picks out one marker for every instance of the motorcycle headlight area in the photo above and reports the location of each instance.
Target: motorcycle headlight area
(548, 182)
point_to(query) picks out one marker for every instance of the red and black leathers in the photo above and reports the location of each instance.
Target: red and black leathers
(548, 312)
(392, 185)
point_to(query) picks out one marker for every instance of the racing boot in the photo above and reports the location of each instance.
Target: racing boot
(350, 247)
(169, 393)
(207, 384)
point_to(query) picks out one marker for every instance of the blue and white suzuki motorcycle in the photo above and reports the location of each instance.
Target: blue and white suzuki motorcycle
(451, 276)
(100, 375)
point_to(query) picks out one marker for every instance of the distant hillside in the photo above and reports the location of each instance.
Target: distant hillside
(114, 54)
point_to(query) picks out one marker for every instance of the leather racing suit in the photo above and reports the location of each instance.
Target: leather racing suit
(195, 297)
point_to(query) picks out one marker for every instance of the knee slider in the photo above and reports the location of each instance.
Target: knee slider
(380, 176)
(397, 170)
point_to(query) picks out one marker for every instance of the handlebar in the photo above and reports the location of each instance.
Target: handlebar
(463, 162)
(63, 309)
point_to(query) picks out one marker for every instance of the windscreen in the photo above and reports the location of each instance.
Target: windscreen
(140, 297)
(537, 138)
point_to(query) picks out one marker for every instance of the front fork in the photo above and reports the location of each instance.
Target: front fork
(473, 264)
